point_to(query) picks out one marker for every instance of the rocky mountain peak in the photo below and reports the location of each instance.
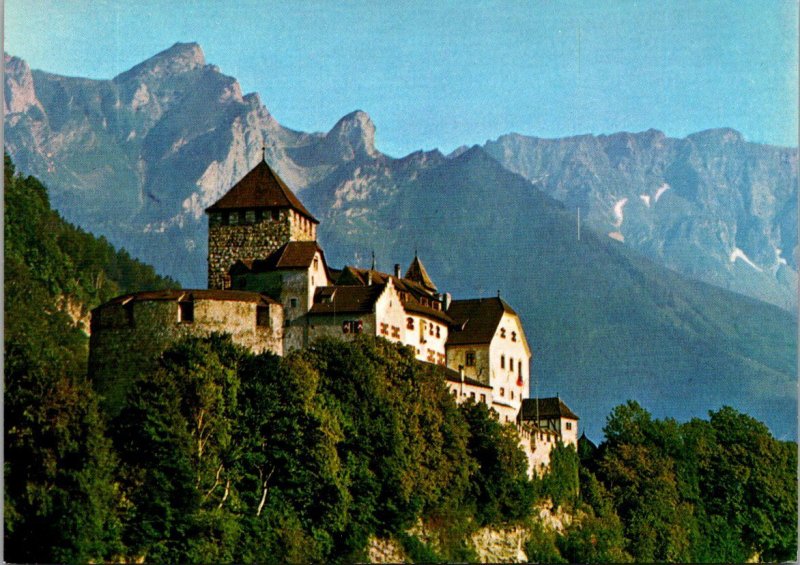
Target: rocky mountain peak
(19, 93)
(352, 137)
(180, 58)
(717, 136)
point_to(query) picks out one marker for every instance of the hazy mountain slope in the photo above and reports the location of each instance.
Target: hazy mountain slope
(711, 206)
(604, 323)
(137, 158)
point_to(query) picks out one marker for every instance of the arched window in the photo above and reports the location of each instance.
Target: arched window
(410, 323)
(502, 361)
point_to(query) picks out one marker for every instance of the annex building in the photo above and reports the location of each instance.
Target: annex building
(270, 287)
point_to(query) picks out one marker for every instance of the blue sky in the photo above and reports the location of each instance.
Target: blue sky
(443, 74)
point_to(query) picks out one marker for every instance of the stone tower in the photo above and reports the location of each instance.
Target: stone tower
(253, 219)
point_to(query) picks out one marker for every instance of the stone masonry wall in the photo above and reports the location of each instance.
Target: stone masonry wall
(228, 244)
(119, 352)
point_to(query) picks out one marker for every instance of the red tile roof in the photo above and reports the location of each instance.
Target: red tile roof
(346, 299)
(455, 377)
(548, 408)
(416, 272)
(292, 255)
(477, 319)
(261, 188)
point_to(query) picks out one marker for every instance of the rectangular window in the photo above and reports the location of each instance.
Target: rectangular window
(569, 425)
(262, 316)
(186, 312)
(233, 218)
(215, 219)
(438, 333)
(250, 217)
(502, 361)
(293, 302)
(483, 398)
(275, 215)
(502, 391)
(472, 395)
(469, 360)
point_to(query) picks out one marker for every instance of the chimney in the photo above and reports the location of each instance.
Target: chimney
(397, 270)
(369, 278)
(448, 298)
(461, 373)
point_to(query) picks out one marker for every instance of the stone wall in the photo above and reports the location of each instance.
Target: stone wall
(457, 356)
(228, 244)
(301, 228)
(127, 340)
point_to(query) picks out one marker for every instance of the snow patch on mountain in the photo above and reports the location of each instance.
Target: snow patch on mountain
(619, 216)
(661, 190)
(646, 199)
(739, 254)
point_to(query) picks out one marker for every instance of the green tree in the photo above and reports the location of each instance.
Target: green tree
(60, 500)
(500, 490)
(560, 482)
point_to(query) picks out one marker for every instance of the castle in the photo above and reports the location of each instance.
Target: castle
(271, 289)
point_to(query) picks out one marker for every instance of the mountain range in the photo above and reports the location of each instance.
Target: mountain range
(586, 236)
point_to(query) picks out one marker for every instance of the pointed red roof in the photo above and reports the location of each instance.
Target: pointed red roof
(417, 273)
(261, 188)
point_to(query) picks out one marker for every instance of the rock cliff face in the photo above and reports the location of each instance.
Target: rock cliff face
(137, 159)
(711, 205)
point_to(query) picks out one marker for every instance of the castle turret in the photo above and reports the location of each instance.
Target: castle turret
(252, 220)
(417, 273)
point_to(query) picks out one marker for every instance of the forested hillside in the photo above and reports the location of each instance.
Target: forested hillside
(58, 463)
